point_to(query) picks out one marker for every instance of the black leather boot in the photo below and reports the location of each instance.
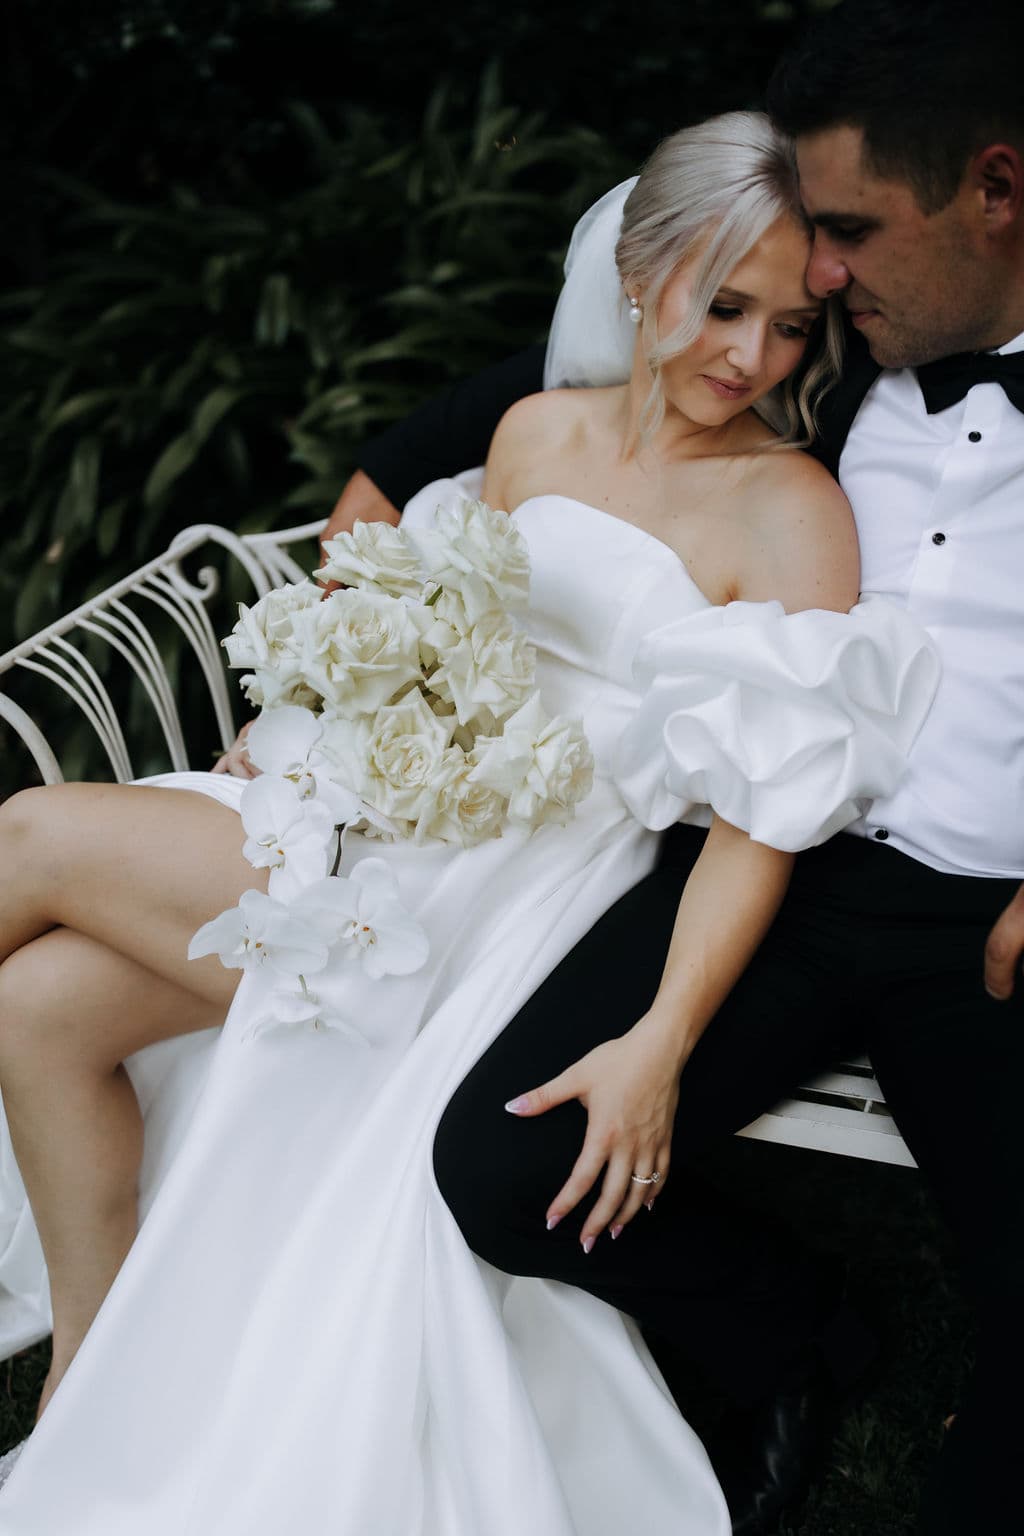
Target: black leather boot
(767, 1455)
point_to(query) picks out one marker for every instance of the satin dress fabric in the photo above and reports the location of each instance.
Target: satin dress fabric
(300, 1338)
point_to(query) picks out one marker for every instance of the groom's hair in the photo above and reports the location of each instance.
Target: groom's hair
(929, 82)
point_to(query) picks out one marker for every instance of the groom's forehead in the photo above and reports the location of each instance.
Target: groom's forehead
(836, 183)
(831, 165)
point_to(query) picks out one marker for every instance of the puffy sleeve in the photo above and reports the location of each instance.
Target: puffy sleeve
(780, 722)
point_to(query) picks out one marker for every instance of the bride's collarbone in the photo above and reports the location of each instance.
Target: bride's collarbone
(707, 519)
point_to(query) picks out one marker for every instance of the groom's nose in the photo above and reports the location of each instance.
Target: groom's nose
(827, 272)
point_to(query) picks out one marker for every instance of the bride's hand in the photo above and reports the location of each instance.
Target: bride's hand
(630, 1089)
(236, 760)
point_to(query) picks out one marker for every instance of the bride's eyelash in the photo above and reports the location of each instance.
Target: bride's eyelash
(732, 311)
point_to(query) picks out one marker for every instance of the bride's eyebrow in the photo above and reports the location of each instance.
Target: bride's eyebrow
(805, 309)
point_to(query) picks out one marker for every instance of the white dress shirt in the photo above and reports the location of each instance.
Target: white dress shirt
(939, 503)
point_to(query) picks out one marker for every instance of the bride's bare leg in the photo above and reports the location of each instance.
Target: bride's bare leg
(129, 874)
(137, 868)
(73, 1008)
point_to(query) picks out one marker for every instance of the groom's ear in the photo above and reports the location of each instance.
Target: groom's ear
(996, 175)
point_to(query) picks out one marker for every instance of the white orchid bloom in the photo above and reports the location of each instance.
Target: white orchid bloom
(291, 837)
(362, 918)
(286, 742)
(262, 931)
(301, 1007)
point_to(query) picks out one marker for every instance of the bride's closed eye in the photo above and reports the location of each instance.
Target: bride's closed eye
(791, 330)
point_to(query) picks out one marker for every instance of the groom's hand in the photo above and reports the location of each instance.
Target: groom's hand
(1004, 949)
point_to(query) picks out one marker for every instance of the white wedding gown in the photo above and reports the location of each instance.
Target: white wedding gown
(300, 1339)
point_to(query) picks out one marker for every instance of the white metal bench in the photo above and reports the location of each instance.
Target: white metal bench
(841, 1111)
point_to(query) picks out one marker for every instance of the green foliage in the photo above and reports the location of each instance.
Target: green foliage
(191, 361)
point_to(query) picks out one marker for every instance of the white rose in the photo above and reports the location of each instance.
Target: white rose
(374, 555)
(450, 617)
(480, 555)
(461, 810)
(405, 746)
(359, 649)
(272, 687)
(268, 638)
(390, 761)
(544, 767)
(490, 669)
(271, 627)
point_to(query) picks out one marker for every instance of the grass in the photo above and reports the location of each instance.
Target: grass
(902, 1276)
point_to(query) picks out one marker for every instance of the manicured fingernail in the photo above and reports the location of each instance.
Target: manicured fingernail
(552, 1222)
(1000, 997)
(516, 1106)
(616, 1230)
(649, 1204)
(588, 1243)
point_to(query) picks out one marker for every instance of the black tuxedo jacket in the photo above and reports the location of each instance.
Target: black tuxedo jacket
(453, 430)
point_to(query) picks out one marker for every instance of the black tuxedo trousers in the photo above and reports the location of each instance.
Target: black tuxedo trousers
(871, 951)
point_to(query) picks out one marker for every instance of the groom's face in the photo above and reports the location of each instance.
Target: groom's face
(916, 284)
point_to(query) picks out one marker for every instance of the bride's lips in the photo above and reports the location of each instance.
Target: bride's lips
(724, 390)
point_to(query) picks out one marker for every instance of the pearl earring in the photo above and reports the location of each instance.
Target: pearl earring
(636, 313)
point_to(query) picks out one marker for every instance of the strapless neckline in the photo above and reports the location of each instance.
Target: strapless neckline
(641, 533)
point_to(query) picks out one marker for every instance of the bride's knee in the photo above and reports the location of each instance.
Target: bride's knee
(18, 816)
(29, 825)
(34, 1006)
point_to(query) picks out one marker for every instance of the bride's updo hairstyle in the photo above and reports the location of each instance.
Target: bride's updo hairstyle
(709, 193)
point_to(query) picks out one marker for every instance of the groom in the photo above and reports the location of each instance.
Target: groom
(903, 938)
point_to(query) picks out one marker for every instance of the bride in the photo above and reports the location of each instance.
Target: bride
(297, 1337)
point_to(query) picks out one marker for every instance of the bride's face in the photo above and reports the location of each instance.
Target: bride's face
(755, 332)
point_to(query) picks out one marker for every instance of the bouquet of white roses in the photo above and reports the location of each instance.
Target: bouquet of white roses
(402, 705)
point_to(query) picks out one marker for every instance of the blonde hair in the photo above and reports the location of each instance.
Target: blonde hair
(709, 193)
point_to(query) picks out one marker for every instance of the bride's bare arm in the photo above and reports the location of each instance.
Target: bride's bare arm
(798, 546)
(630, 1085)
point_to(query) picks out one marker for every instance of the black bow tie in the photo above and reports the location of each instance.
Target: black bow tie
(946, 381)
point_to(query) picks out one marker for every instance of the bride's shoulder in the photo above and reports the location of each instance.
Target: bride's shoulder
(791, 484)
(545, 419)
(806, 537)
(535, 436)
